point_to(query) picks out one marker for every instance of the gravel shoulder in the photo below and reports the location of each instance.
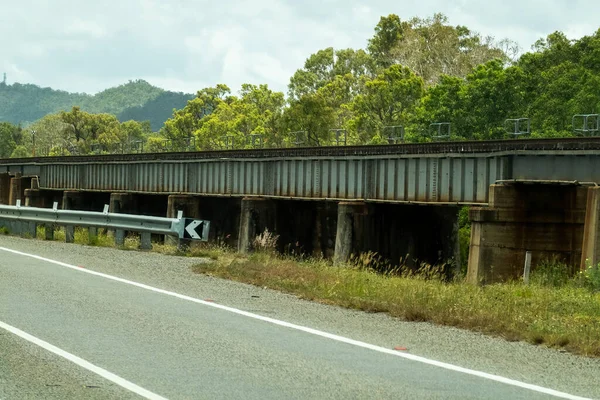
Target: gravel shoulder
(521, 361)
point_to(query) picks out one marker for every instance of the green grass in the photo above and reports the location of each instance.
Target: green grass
(566, 317)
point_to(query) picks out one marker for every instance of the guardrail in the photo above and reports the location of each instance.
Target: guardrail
(25, 220)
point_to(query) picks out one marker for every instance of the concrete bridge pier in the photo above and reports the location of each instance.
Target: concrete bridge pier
(123, 203)
(324, 230)
(190, 205)
(590, 252)
(347, 232)
(257, 214)
(34, 197)
(546, 219)
(4, 188)
(224, 216)
(16, 189)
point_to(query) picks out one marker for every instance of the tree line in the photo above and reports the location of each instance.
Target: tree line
(412, 74)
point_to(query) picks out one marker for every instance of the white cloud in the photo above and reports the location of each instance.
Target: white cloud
(185, 45)
(80, 27)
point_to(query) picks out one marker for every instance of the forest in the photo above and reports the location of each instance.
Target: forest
(412, 74)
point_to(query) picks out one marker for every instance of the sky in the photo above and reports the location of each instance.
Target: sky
(186, 45)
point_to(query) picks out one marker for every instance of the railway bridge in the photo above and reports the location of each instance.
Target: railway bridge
(402, 201)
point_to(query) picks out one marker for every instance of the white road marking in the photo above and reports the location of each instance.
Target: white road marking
(83, 363)
(316, 332)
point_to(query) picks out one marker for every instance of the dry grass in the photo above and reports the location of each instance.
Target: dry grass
(567, 317)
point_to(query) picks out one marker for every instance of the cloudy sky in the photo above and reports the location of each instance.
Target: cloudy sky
(185, 45)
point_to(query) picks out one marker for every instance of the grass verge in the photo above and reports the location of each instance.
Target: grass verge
(554, 310)
(566, 317)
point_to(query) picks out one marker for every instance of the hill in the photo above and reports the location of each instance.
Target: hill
(138, 100)
(156, 110)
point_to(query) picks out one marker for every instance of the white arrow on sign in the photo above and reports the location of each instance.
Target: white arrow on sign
(191, 229)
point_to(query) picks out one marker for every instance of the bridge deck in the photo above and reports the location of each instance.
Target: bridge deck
(447, 172)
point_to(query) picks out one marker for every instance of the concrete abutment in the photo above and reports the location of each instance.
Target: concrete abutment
(546, 219)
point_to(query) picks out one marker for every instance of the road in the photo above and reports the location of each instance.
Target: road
(182, 336)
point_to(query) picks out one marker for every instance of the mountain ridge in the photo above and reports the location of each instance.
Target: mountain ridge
(22, 104)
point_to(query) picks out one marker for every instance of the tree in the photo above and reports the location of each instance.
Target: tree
(20, 152)
(76, 121)
(477, 106)
(388, 33)
(134, 132)
(322, 68)
(313, 115)
(493, 94)
(49, 133)
(445, 102)
(432, 48)
(263, 112)
(9, 135)
(185, 122)
(561, 79)
(106, 131)
(389, 100)
(257, 112)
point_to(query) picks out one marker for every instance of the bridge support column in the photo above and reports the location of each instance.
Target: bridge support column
(449, 237)
(590, 252)
(346, 230)
(122, 203)
(34, 198)
(72, 200)
(16, 190)
(257, 214)
(4, 188)
(190, 205)
(323, 236)
(547, 220)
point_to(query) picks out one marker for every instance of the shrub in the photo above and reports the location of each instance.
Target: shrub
(266, 241)
(590, 277)
(551, 272)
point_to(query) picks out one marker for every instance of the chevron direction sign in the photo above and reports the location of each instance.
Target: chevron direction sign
(196, 229)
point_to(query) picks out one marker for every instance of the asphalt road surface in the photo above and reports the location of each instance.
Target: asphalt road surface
(112, 324)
